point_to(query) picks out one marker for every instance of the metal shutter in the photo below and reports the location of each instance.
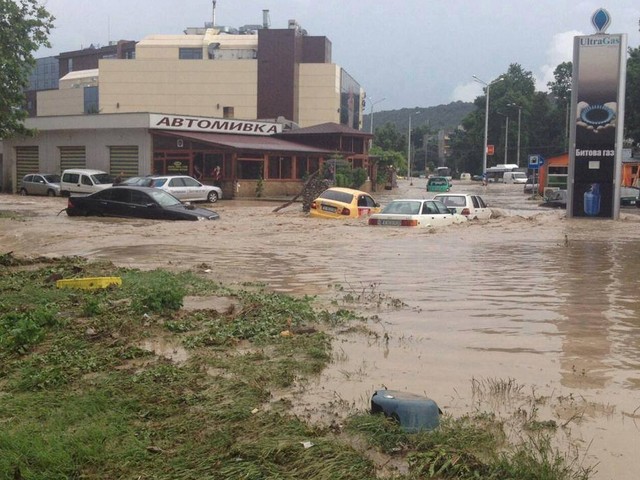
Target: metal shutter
(72, 157)
(26, 161)
(124, 159)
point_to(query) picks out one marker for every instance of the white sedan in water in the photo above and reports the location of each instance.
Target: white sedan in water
(185, 188)
(416, 213)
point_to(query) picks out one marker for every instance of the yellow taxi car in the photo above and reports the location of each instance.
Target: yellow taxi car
(337, 202)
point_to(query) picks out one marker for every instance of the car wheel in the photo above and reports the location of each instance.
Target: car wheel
(212, 197)
(23, 192)
(51, 193)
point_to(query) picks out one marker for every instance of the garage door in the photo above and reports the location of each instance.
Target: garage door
(72, 157)
(26, 161)
(124, 159)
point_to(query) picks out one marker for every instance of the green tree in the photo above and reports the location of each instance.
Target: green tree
(24, 27)
(632, 97)
(560, 88)
(388, 137)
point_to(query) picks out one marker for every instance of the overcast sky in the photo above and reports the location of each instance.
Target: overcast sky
(412, 53)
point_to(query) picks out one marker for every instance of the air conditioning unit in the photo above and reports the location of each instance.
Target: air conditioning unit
(549, 190)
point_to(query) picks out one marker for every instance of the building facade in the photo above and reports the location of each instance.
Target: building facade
(188, 103)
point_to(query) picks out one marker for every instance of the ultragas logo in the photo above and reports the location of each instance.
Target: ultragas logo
(604, 41)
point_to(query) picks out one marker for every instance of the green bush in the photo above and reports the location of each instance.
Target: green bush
(21, 330)
(160, 292)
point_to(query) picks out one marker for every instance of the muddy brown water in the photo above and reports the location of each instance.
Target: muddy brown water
(529, 299)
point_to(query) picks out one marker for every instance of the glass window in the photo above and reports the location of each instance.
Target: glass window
(338, 196)
(86, 180)
(121, 195)
(190, 54)
(280, 167)
(190, 182)
(250, 170)
(475, 202)
(176, 182)
(139, 198)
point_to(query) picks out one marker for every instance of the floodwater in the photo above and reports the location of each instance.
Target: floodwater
(547, 307)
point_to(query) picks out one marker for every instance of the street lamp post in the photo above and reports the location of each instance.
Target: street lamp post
(506, 136)
(519, 107)
(409, 148)
(486, 119)
(371, 113)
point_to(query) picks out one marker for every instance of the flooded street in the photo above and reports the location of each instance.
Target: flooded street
(528, 299)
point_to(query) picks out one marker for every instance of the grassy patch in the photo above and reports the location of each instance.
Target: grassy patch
(83, 395)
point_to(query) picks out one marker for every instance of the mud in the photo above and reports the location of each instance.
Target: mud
(528, 299)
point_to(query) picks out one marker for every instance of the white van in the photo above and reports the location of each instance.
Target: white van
(84, 182)
(514, 177)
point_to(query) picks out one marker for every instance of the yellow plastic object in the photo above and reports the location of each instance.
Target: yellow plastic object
(89, 283)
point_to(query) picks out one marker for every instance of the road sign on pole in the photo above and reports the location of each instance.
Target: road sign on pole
(490, 149)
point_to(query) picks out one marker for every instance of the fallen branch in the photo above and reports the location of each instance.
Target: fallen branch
(285, 205)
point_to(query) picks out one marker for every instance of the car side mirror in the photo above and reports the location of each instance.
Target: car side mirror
(152, 205)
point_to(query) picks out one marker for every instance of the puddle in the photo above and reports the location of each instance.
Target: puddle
(166, 349)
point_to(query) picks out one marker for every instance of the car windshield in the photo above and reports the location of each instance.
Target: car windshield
(135, 181)
(438, 181)
(337, 195)
(403, 207)
(164, 198)
(102, 178)
(52, 178)
(452, 200)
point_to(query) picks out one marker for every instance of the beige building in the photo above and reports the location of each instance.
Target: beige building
(264, 75)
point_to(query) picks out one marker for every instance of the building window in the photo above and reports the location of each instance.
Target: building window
(228, 112)
(190, 54)
(70, 64)
(280, 168)
(91, 102)
(250, 169)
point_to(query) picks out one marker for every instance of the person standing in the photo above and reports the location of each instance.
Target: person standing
(217, 176)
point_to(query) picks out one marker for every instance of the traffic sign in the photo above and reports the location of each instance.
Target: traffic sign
(490, 149)
(535, 161)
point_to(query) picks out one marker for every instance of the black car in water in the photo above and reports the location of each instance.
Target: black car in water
(136, 202)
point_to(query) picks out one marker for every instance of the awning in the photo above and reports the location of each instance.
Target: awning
(247, 142)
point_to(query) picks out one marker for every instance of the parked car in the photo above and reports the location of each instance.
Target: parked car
(416, 213)
(471, 206)
(629, 196)
(40, 184)
(187, 188)
(337, 202)
(136, 202)
(84, 181)
(438, 184)
(514, 177)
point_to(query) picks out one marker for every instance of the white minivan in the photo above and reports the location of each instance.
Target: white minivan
(83, 181)
(514, 177)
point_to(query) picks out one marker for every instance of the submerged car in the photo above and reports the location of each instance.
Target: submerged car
(186, 188)
(471, 206)
(40, 184)
(438, 184)
(416, 213)
(136, 202)
(555, 199)
(337, 202)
